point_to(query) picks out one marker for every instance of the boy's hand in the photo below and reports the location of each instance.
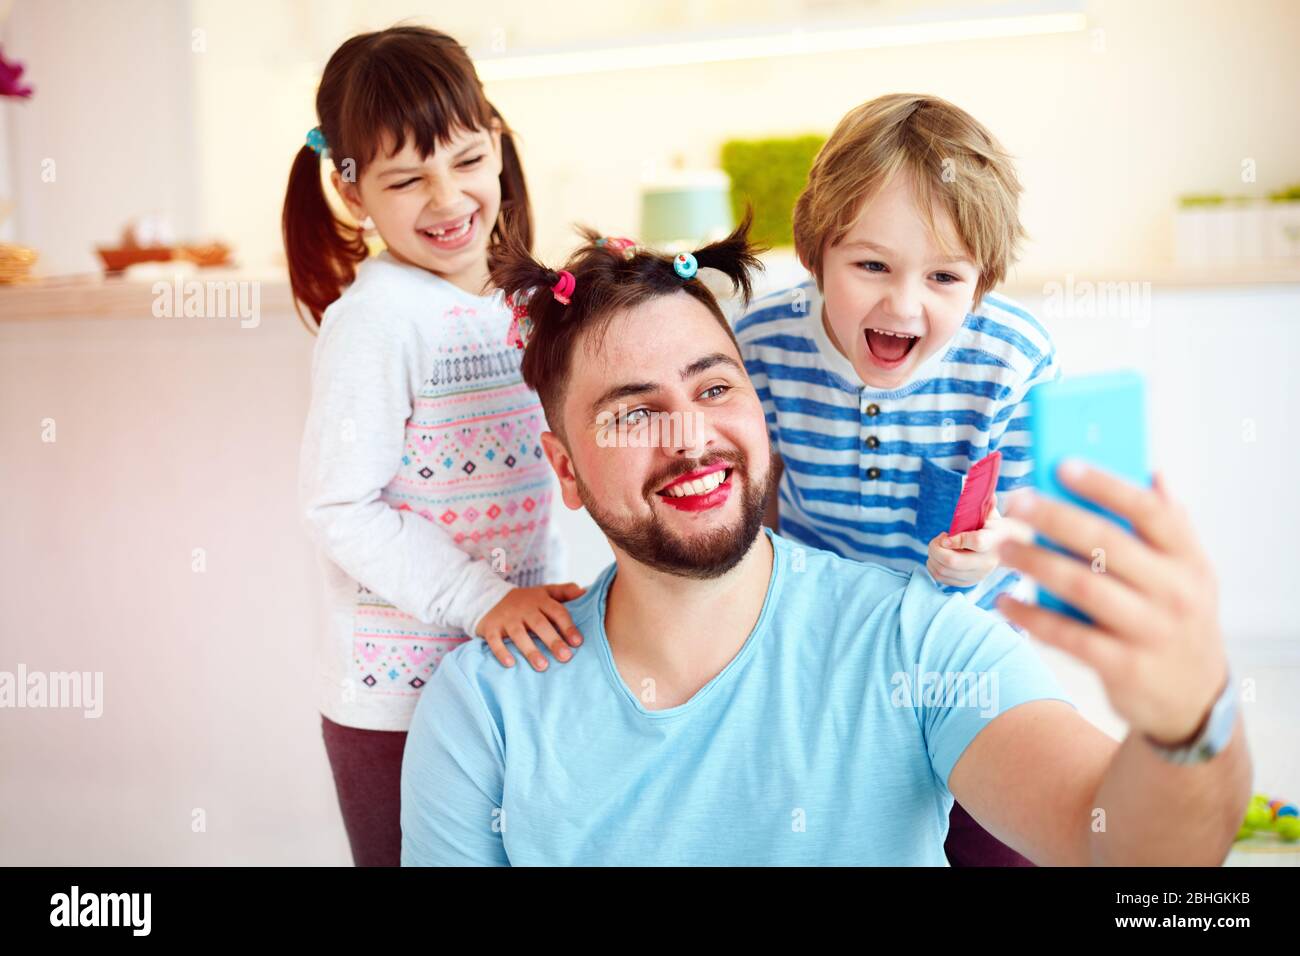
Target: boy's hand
(966, 559)
(1155, 641)
(532, 609)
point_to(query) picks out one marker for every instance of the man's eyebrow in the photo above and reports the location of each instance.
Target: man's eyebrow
(623, 391)
(707, 362)
(702, 364)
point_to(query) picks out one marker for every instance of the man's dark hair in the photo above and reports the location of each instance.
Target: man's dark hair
(606, 282)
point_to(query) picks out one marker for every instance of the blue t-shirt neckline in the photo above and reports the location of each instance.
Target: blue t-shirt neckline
(761, 626)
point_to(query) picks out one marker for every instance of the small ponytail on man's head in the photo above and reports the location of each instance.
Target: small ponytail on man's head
(603, 277)
(514, 269)
(735, 257)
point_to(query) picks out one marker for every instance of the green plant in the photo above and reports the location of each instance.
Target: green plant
(769, 174)
(1285, 194)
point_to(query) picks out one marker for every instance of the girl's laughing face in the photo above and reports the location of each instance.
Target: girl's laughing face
(438, 211)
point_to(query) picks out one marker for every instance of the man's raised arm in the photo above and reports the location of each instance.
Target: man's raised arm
(1051, 785)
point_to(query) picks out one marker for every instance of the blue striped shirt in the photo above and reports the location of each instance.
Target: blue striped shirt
(874, 475)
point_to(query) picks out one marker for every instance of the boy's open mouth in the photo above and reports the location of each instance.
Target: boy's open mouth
(890, 348)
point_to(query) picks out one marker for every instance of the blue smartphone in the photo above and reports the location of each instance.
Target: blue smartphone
(1100, 419)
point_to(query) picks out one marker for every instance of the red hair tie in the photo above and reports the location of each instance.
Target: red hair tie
(618, 245)
(564, 286)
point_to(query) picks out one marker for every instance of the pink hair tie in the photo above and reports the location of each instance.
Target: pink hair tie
(564, 286)
(618, 245)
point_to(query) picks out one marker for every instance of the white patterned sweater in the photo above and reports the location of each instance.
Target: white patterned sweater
(422, 483)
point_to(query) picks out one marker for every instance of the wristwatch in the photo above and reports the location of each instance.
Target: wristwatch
(1214, 733)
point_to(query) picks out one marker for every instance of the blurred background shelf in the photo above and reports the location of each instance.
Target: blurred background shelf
(1109, 124)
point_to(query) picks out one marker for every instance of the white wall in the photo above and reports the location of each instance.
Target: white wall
(112, 110)
(1181, 93)
(1184, 90)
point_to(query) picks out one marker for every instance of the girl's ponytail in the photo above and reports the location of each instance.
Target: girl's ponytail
(516, 213)
(322, 250)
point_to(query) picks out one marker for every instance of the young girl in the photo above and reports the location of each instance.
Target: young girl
(422, 480)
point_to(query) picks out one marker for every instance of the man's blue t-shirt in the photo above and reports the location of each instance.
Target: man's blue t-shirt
(827, 740)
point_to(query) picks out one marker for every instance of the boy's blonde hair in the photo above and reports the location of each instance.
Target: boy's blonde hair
(952, 160)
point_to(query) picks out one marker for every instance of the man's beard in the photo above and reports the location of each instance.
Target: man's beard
(708, 554)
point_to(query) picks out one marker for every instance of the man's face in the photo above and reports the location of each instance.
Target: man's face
(893, 297)
(436, 212)
(667, 446)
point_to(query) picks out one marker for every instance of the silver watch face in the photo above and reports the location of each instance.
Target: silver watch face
(1223, 718)
(1215, 736)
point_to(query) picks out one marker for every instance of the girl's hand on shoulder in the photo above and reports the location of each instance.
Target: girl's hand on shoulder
(537, 612)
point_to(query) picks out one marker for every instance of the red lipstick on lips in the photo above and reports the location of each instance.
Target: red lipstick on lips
(699, 502)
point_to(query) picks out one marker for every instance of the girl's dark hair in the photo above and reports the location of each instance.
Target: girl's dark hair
(605, 283)
(404, 81)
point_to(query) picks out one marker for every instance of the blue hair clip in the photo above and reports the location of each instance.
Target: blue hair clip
(316, 140)
(684, 265)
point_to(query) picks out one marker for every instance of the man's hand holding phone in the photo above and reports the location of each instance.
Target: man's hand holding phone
(1154, 636)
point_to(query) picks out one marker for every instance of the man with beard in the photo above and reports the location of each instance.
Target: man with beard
(743, 700)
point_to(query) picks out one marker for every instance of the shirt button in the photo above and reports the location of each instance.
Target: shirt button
(873, 441)
(873, 473)
(873, 410)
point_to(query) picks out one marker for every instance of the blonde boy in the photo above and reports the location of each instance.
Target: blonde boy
(895, 367)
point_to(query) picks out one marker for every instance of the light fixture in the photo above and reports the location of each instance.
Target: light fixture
(792, 42)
